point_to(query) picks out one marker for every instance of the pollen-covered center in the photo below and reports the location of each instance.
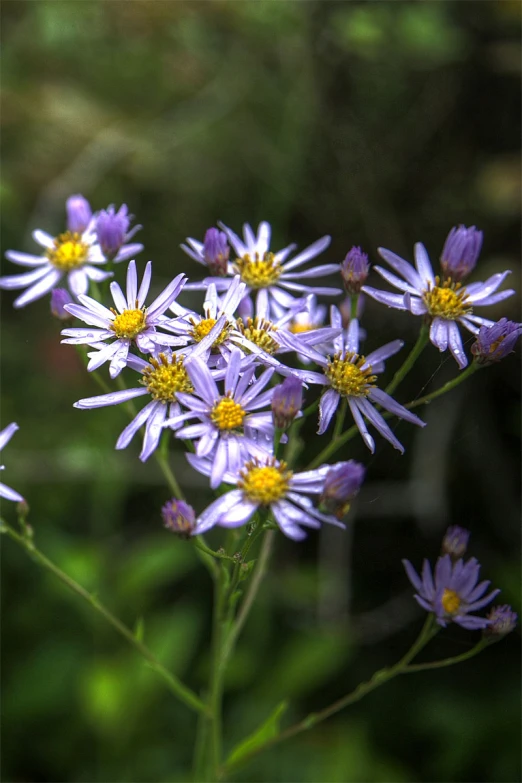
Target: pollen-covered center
(258, 272)
(257, 330)
(347, 377)
(68, 252)
(300, 327)
(227, 414)
(265, 484)
(450, 601)
(166, 377)
(204, 327)
(449, 300)
(129, 323)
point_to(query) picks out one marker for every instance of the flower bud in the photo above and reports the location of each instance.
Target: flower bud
(287, 401)
(59, 298)
(496, 342)
(455, 542)
(112, 229)
(216, 251)
(179, 517)
(460, 252)
(342, 483)
(502, 620)
(79, 213)
(354, 270)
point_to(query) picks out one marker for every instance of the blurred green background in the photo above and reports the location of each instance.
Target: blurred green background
(381, 124)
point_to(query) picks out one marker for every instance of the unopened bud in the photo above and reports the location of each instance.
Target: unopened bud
(216, 251)
(455, 542)
(502, 620)
(495, 342)
(342, 483)
(287, 401)
(79, 213)
(354, 270)
(179, 517)
(460, 252)
(59, 298)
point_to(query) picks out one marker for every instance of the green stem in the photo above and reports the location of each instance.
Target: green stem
(378, 679)
(354, 299)
(462, 376)
(340, 417)
(216, 679)
(181, 691)
(424, 667)
(170, 478)
(402, 372)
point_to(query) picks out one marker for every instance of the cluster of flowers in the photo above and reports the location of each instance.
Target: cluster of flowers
(208, 376)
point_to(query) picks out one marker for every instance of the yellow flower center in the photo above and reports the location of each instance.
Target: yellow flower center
(258, 272)
(68, 252)
(450, 601)
(258, 330)
(166, 377)
(265, 484)
(448, 300)
(129, 323)
(347, 377)
(227, 414)
(299, 328)
(201, 329)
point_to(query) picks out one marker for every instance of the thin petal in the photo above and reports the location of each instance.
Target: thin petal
(112, 398)
(327, 407)
(38, 289)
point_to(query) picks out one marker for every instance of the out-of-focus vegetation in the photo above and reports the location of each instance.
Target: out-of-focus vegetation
(381, 124)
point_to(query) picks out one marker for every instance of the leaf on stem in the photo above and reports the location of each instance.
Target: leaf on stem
(268, 730)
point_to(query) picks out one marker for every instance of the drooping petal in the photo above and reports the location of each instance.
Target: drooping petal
(359, 421)
(327, 407)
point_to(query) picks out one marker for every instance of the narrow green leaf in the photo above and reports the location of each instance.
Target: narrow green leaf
(139, 629)
(267, 730)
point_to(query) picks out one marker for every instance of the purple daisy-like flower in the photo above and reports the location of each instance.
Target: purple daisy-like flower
(352, 376)
(163, 378)
(130, 321)
(112, 230)
(268, 274)
(231, 429)
(495, 342)
(267, 484)
(452, 593)
(5, 436)
(442, 300)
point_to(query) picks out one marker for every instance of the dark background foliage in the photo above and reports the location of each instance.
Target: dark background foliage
(381, 124)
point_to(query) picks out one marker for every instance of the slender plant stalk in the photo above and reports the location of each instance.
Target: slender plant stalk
(354, 300)
(426, 667)
(404, 369)
(180, 690)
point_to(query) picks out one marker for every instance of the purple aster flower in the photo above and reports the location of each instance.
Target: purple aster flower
(352, 376)
(267, 484)
(442, 300)
(163, 378)
(215, 252)
(231, 429)
(453, 593)
(59, 298)
(129, 322)
(74, 254)
(79, 213)
(455, 542)
(495, 342)
(287, 401)
(179, 517)
(5, 436)
(342, 483)
(354, 270)
(265, 272)
(112, 230)
(460, 252)
(502, 620)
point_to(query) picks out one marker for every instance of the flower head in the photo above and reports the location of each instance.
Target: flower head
(352, 376)
(453, 593)
(216, 252)
(455, 542)
(265, 273)
(129, 322)
(495, 342)
(287, 401)
(354, 270)
(179, 517)
(460, 252)
(59, 298)
(266, 484)
(79, 213)
(112, 230)
(502, 620)
(443, 300)
(342, 483)
(5, 436)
